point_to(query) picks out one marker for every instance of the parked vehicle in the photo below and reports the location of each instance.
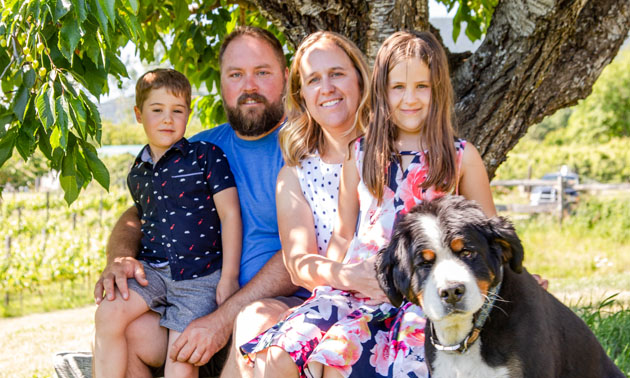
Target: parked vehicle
(549, 193)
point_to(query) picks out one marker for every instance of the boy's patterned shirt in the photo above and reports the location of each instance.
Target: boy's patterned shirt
(174, 198)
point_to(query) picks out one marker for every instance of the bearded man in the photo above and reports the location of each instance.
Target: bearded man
(253, 77)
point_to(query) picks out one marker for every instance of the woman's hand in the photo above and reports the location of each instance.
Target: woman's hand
(363, 281)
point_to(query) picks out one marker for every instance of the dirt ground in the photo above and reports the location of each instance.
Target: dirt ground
(28, 343)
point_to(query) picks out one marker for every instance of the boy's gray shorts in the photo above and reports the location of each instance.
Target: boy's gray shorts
(177, 302)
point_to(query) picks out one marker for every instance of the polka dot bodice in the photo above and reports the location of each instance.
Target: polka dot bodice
(320, 185)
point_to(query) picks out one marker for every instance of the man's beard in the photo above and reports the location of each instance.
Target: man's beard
(250, 123)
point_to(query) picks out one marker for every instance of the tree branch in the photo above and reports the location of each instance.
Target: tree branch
(537, 57)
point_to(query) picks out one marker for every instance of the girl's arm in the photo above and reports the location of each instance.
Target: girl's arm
(347, 211)
(229, 210)
(474, 183)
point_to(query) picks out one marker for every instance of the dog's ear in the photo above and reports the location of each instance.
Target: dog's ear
(391, 263)
(505, 237)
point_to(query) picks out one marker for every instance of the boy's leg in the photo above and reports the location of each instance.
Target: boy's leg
(111, 320)
(176, 369)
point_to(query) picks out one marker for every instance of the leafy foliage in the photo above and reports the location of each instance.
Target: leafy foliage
(591, 137)
(605, 113)
(475, 13)
(56, 57)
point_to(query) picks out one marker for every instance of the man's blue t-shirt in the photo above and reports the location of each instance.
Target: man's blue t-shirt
(255, 165)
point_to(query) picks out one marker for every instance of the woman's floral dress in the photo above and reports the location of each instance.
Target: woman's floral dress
(337, 329)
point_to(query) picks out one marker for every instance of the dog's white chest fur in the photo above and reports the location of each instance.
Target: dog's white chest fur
(467, 365)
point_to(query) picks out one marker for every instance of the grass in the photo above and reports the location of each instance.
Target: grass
(47, 298)
(585, 260)
(612, 327)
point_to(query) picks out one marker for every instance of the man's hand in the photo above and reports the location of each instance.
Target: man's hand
(115, 275)
(202, 339)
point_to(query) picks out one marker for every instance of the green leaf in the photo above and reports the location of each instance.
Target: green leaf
(20, 102)
(68, 179)
(100, 15)
(133, 4)
(79, 9)
(108, 6)
(78, 115)
(62, 115)
(29, 78)
(6, 146)
(116, 66)
(25, 143)
(44, 143)
(6, 118)
(92, 49)
(473, 32)
(69, 37)
(61, 9)
(99, 170)
(82, 167)
(44, 111)
(181, 12)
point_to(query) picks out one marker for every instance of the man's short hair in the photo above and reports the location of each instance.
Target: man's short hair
(254, 32)
(175, 82)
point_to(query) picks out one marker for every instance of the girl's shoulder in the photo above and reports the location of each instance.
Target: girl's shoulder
(460, 144)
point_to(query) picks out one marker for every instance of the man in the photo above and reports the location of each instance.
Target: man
(253, 76)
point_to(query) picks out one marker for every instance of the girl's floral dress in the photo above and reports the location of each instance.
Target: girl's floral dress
(337, 329)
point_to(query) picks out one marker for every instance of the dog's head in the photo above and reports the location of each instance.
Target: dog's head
(444, 256)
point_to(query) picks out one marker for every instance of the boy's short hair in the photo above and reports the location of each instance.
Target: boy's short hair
(254, 32)
(176, 83)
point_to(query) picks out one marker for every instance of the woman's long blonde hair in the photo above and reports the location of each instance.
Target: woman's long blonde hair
(301, 135)
(436, 137)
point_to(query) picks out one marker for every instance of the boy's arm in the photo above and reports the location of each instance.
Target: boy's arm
(122, 247)
(228, 208)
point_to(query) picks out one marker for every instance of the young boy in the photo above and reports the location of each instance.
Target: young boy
(191, 227)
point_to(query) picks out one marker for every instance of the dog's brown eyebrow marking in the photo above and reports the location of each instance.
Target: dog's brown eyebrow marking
(428, 255)
(457, 245)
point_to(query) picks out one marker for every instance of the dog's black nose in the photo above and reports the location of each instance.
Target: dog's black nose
(453, 293)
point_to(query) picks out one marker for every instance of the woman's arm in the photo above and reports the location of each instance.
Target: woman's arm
(474, 183)
(229, 210)
(306, 267)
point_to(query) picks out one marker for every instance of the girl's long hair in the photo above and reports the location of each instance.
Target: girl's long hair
(436, 135)
(301, 135)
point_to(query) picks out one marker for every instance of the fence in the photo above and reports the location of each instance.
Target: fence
(51, 248)
(558, 203)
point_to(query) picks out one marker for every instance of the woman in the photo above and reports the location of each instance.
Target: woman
(327, 109)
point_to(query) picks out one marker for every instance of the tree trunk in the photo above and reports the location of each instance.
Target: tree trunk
(538, 55)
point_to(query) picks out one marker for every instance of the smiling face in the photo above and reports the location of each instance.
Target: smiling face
(164, 117)
(252, 85)
(330, 86)
(409, 94)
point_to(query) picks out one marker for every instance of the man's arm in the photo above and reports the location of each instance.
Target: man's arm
(122, 247)
(207, 335)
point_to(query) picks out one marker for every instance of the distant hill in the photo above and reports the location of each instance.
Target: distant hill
(118, 110)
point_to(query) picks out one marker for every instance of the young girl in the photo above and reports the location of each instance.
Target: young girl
(408, 155)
